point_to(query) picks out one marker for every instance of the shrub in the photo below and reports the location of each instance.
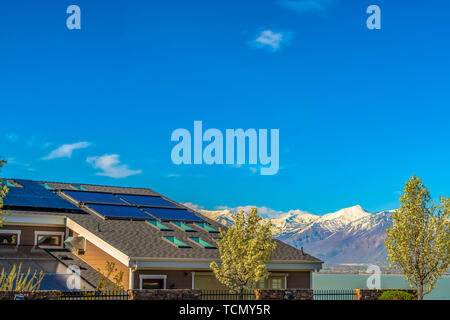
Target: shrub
(396, 295)
(17, 281)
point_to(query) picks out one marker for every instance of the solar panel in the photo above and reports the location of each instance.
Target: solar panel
(120, 212)
(146, 200)
(28, 201)
(95, 197)
(173, 214)
(36, 196)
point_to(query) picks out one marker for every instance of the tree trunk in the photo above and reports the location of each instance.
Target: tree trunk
(421, 292)
(241, 294)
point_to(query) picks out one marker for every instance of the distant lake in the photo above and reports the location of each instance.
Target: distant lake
(356, 281)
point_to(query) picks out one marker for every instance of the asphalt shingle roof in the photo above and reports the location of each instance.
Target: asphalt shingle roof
(46, 260)
(140, 239)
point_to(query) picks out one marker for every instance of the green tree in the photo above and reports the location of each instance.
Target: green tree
(244, 250)
(418, 242)
(105, 285)
(3, 192)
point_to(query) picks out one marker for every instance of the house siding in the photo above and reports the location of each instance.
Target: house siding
(97, 259)
(27, 232)
(299, 279)
(181, 279)
(176, 279)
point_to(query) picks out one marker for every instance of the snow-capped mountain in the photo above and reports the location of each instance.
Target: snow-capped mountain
(325, 226)
(291, 223)
(361, 241)
(350, 235)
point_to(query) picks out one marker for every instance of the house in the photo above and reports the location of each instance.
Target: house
(154, 241)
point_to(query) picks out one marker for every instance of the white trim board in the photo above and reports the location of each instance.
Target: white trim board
(36, 219)
(50, 233)
(99, 243)
(205, 265)
(152, 276)
(16, 232)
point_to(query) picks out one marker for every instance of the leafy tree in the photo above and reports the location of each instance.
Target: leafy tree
(244, 250)
(3, 192)
(105, 284)
(418, 243)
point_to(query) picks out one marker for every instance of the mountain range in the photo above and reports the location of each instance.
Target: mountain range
(348, 236)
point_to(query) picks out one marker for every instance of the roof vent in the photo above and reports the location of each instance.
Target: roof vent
(75, 244)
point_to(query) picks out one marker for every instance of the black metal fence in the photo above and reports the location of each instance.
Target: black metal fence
(334, 294)
(94, 295)
(319, 294)
(227, 295)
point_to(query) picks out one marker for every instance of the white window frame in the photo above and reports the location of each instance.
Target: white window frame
(51, 233)
(277, 279)
(152, 276)
(16, 232)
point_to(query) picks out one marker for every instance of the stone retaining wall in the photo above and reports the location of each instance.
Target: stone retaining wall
(166, 294)
(32, 295)
(289, 294)
(187, 294)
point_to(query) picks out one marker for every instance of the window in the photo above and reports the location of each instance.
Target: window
(207, 227)
(276, 283)
(183, 226)
(78, 187)
(260, 285)
(8, 183)
(48, 239)
(10, 237)
(178, 243)
(203, 243)
(159, 225)
(151, 282)
(46, 186)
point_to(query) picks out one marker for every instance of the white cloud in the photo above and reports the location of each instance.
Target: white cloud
(305, 6)
(111, 167)
(173, 175)
(262, 211)
(15, 162)
(271, 40)
(12, 137)
(11, 160)
(66, 150)
(194, 206)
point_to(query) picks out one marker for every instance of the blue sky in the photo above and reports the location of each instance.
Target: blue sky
(359, 111)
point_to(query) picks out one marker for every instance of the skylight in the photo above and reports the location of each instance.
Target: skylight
(8, 183)
(183, 226)
(207, 227)
(203, 243)
(177, 242)
(159, 225)
(46, 186)
(78, 187)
